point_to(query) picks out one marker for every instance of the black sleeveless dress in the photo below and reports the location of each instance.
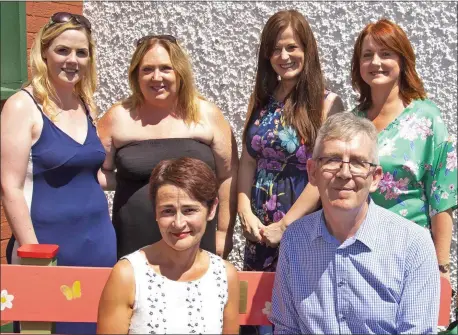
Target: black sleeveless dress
(134, 217)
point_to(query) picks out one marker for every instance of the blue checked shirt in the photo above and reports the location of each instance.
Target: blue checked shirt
(383, 280)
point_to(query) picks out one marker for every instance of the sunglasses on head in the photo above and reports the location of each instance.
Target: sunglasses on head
(63, 17)
(169, 38)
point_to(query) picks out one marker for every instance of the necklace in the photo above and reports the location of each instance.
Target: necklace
(54, 116)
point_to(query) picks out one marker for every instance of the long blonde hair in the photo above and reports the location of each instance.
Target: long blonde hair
(188, 96)
(43, 90)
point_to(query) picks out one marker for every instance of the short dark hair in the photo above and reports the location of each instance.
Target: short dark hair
(192, 175)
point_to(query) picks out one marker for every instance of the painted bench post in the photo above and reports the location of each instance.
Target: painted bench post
(38, 255)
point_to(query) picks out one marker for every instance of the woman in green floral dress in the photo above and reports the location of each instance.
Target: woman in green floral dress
(417, 155)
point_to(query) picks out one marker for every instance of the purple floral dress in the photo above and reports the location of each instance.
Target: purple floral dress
(280, 176)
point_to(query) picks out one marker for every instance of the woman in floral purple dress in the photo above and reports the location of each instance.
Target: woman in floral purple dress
(288, 105)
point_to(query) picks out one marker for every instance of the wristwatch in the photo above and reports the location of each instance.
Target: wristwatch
(444, 268)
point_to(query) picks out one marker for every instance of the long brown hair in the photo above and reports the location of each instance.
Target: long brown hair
(188, 96)
(304, 105)
(391, 36)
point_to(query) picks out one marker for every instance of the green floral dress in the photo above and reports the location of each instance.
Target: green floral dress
(419, 164)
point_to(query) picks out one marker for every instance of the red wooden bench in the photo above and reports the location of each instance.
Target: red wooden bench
(40, 294)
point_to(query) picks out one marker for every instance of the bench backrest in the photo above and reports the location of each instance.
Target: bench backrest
(58, 293)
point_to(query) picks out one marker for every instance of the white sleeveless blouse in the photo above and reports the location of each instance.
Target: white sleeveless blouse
(164, 306)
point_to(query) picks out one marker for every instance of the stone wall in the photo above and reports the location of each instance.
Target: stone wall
(222, 39)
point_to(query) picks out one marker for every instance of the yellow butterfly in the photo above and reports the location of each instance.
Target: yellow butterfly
(72, 293)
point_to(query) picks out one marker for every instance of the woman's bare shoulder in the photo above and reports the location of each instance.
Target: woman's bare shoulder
(120, 285)
(115, 113)
(211, 113)
(332, 104)
(20, 105)
(231, 270)
(122, 274)
(207, 108)
(20, 99)
(117, 110)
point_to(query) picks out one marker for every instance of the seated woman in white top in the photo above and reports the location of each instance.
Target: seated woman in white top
(173, 286)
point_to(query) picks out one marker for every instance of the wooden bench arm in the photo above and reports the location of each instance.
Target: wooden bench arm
(41, 251)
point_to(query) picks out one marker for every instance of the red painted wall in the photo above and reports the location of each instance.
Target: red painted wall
(39, 12)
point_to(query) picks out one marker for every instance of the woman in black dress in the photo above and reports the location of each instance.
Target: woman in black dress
(164, 118)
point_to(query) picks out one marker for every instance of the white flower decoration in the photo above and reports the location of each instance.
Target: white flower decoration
(411, 166)
(387, 147)
(6, 300)
(403, 212)
(267, 308)
(412, 128)
(451, 161)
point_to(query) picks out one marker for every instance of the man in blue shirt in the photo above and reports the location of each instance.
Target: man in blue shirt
(353, 267)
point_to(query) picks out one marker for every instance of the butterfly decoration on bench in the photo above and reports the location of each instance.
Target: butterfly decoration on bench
(72, 293)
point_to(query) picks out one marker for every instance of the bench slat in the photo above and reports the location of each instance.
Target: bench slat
(259, 296)
(38, 295)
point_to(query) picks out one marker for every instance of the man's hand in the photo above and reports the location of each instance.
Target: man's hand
(272, 234)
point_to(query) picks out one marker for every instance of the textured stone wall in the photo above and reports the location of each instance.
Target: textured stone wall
(222, 40)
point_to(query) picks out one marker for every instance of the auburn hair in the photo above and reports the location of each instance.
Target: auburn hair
(391, 36)
(192, 175)
(303, 106)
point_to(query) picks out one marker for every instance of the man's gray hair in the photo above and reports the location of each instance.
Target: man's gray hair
(345, 126)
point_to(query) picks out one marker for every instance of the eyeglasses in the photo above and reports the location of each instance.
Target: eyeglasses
(63, 17)
(356, 166)
(169, 38)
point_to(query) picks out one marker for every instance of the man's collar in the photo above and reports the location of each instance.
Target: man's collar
(317, 229)
(367, 232)
(320, 230)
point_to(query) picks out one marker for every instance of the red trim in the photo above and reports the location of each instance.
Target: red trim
(45, 251)
(41, 296)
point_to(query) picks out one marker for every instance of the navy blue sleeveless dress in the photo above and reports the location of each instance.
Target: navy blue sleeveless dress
(67, 205)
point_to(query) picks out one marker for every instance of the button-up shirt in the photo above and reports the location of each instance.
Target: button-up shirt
(383, 280)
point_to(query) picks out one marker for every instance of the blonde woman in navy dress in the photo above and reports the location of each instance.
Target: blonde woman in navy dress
(51, 154)
(173, 286)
